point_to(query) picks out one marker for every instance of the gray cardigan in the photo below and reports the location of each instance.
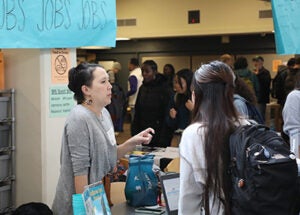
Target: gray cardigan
(88, 148)
(291, 112)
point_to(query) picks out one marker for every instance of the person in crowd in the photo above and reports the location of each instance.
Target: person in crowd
(180, 104)
(242, 95)
(33, 208)
(151, 105)
(228, 59)
(278, 88)
(242, 71)
(291, 113)
(204, 150)
(118, 100)
(135, 80)
(169, 73)
(116, 67)
(264, 80)
(289, 83)
(89, 149)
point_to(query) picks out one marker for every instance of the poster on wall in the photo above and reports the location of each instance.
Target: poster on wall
(286, 18)
(275, 64)
(60, 65)
(61, 101)
(53, 23)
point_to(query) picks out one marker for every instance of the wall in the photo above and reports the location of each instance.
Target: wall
(52, 129)
(38, 137)
(22, 73)
(168, 18)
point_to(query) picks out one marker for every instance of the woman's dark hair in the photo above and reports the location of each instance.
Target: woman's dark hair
(213, 86)
(33, 208)
(243, 89)
(187, 75)
(134, 61)
(152, 64)
(241, 63)
(79, 76)
(171, 68)
(291, 62)
(297, 80)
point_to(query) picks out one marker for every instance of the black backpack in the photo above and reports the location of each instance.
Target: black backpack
(263, 172)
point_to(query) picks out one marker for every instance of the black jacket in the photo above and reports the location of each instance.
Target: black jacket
(264, 79)
(150, 110)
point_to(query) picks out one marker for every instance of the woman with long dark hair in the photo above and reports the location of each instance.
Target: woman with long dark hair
(204, 149)
(180, 105)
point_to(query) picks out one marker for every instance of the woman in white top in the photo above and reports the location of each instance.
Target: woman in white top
(204, 150)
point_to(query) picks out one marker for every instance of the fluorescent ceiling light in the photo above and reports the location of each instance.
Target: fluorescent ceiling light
(95, 47)
(122, 38)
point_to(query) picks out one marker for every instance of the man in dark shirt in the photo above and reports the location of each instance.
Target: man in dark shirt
(264, 79)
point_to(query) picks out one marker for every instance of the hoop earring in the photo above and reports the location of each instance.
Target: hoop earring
(88, 101)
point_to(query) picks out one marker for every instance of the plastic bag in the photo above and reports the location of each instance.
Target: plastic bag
(141, 183)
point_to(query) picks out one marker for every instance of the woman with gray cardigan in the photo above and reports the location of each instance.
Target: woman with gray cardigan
(89, 150)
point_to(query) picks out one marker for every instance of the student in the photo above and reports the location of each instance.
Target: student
(116, 68)
(228, 59)
(151, 105)
(291, 116)
(241, 70)
(89, 149)
(180, 104)
(204, 150)
(117, 106)
(135, 80)
(245, 101)
(264, 79)
(169, 73)
(33, 208)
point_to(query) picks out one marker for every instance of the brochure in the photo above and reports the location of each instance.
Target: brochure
(95, 200)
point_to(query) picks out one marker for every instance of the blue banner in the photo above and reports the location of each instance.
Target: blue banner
(57, 23)
(286, 16)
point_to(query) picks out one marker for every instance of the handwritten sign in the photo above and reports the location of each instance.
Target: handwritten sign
(61, 101)
(57, 23)
(60, 65)
(286, 18)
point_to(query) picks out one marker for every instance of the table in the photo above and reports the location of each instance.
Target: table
(125, 209)
(273, 112)
(122, 209)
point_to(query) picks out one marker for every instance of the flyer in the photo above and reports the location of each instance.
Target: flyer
(95, 200)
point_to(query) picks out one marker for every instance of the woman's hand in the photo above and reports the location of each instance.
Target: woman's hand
(173, 113)
(143, 137)
(189, 105)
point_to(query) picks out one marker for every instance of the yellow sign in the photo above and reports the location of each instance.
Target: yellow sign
(275, 64)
